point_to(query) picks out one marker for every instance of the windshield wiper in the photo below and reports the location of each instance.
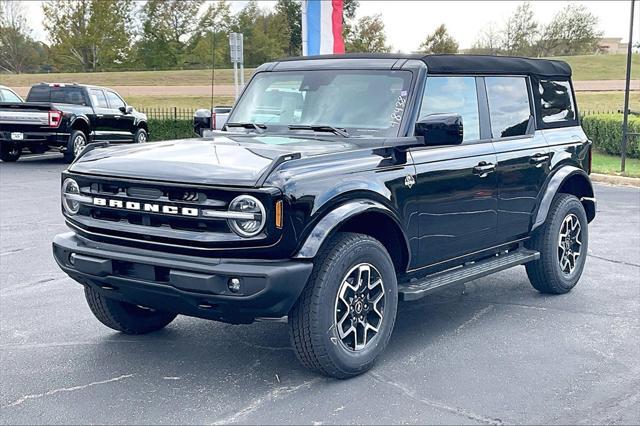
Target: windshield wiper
(320, 128)
(252, 126)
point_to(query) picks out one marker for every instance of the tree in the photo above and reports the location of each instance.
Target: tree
(520, 33)
(167, 26)
(263, 30)
(572, 31)
(439, 42)
(367, 36)
(89, 35)
(488, 41)
(291, 11)
(18, 51)
(216, 19)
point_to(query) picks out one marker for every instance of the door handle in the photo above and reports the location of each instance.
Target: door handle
(539, 159)
(117, 117)
(99, 115)
(483, 169)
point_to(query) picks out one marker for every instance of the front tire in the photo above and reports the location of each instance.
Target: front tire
(345, 315)
(125, 317)
(563, 242)
(10, 152)
(141, 136)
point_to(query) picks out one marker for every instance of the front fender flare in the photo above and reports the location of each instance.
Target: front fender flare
(552, 187)
(338, 216)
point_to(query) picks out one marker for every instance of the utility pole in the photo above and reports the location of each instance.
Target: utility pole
(625, 121)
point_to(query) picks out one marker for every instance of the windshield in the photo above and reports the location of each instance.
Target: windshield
(363, 102)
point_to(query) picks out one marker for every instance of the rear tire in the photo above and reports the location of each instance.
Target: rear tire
(345, 315)
(563, 243)
(125, 317)
(10, 152)
(77, 142)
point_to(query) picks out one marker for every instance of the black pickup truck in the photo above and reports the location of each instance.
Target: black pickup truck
(67, 117)
(339, 186)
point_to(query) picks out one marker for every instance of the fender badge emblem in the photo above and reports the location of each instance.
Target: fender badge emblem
(409, 181)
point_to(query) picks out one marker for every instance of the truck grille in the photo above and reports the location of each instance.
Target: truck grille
(168, 214)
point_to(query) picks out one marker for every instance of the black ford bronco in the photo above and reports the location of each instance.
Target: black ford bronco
(339, 186)
(67, 117)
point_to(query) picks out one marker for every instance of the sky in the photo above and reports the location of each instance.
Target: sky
(407, 23)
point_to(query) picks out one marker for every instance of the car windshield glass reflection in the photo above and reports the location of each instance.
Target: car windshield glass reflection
(359, 102)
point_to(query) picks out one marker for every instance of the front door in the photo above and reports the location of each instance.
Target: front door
(456, 186)
(523, 154)
(121, 123)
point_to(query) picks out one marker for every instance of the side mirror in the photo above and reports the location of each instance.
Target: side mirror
(440, 129)
(126, 109)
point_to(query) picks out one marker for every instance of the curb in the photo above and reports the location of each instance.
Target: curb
(615, 180)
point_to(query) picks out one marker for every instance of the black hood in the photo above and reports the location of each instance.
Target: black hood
(234, 160)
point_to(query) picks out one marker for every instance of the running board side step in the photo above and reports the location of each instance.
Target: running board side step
(415, 290)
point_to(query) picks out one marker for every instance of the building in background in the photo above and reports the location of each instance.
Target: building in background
(612, 45)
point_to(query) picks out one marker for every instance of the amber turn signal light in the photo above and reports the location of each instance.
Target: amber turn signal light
(279, 215)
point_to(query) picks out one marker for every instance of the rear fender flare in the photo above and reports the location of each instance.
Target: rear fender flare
(553, 186)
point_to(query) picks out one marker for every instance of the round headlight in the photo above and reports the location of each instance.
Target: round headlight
(70, 187)
(251, 216)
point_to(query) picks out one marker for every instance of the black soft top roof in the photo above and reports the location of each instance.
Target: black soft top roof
(463, 64)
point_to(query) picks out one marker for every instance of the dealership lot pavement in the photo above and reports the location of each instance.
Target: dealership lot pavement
(491, 351)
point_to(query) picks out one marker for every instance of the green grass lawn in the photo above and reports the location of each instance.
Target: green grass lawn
(610, 165)
(606, 101)
(186, 102)
(585, 67)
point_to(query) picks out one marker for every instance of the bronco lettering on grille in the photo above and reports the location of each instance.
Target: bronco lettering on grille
(146, 207)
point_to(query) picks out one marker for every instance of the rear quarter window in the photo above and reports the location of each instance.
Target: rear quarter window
(555, 103)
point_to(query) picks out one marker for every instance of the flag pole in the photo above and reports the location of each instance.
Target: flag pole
(303, 8)
(625, 120)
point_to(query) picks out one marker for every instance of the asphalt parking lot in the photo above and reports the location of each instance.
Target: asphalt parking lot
(491, 351)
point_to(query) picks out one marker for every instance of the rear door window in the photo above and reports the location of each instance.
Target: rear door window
(556, 102)
(98, 99)
(456, 95)
(509, 106)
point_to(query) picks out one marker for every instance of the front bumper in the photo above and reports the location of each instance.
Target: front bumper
(185, 285)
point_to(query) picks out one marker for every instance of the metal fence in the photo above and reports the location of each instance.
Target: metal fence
(168, 113)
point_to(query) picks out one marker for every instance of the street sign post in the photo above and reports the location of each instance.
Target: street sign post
(236, 48)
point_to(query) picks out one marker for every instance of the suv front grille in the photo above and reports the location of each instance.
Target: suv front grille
(136, 211)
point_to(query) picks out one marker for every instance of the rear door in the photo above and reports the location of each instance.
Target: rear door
(456, 186)
(523, 154)
(120, 122)
(101, 122)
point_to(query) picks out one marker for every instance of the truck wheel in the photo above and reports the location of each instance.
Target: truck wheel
(10, 152)
(140, 136)
(77, 142)
(345, 315)
(125, 317)
(563, 241)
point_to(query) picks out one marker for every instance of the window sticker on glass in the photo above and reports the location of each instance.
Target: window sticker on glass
(398, 109)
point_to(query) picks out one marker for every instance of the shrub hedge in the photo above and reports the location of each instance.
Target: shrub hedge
(160, 130)
(605, 130)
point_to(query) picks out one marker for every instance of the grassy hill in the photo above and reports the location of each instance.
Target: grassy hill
(586, 67)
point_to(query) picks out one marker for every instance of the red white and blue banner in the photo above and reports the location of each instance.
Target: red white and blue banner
(322, 27)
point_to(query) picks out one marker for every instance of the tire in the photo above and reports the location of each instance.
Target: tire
(10, 152)
(141, 136)
(125, 317)
(554, 272)
(318, 314)
(77, 142)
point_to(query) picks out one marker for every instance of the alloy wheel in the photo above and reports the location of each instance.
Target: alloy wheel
(79, 142)
(569, 243)
(359, 307)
